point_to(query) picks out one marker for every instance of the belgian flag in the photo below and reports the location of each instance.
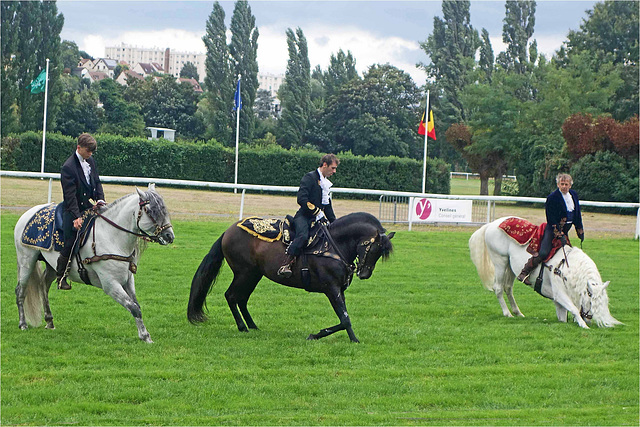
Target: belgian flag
(428, 127)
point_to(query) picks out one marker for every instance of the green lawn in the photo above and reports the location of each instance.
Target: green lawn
(435, 349)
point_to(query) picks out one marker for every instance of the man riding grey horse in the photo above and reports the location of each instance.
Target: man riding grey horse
(80, 184)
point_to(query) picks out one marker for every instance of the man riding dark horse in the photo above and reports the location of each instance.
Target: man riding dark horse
(563, 210)
(314, 198)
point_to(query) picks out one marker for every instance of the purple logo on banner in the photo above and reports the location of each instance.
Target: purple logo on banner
(423, 208)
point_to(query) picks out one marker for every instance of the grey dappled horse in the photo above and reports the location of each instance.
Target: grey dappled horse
(117, 238)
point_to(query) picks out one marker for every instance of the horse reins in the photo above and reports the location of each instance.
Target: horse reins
(558, 272)
(144, 236)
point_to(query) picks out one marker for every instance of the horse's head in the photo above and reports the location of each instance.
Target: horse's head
(370, 250)
(153, 217)
(594, 304)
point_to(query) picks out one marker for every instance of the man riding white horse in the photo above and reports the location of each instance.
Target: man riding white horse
(80, 183)
(563, 210)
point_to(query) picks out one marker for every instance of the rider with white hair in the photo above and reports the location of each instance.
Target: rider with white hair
(563, 211)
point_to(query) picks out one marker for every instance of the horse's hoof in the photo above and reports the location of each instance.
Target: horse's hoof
(49, 326)
(23, 327)
(356, 340)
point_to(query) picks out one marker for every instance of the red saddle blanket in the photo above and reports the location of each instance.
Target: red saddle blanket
(523, 232)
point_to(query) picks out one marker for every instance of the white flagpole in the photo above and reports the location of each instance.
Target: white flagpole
(235, 190)
(426, 131)
(44, 122)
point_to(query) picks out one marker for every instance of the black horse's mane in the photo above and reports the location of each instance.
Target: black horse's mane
(365, 218)
(358, 218)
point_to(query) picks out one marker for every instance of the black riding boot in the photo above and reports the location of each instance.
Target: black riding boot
(530, 265)
(60, 273)
(285, 269)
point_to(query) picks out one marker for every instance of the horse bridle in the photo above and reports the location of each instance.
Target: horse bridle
(143, 235)
(368, 244)
(558, 272)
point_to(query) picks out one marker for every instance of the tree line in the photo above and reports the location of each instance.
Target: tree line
(514, 113)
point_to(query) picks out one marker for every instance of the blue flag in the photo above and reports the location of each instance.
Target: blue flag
(237, 98)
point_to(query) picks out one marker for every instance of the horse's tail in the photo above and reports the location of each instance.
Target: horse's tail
(33, 299)
(203, 280)
(480, 257)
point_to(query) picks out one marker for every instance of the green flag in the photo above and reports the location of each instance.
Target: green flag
(38, 84)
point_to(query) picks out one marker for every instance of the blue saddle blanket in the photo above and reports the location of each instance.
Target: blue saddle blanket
(43, 231)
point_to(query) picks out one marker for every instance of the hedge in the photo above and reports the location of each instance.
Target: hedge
(210, 161)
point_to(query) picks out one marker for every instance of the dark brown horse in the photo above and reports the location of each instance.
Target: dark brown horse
(355, 236)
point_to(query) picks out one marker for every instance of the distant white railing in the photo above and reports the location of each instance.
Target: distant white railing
(476, 175)
(223, 185)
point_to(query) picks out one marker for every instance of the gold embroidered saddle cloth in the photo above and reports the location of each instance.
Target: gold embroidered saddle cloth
(43, 231)
(272, 230)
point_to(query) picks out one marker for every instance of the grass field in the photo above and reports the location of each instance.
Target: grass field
(435, 349)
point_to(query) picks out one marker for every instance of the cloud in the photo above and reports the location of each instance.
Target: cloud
(323, 41)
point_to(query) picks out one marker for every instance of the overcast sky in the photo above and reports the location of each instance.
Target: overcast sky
(374, 31)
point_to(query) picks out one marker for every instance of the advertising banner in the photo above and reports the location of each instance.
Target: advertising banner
(439, 210)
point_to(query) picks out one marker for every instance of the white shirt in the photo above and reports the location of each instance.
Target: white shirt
(86, 168)
(326, 185)
(568, 200)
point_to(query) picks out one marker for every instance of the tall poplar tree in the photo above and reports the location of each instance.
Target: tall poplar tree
(244, 56)
(218, 81)
(519, 23)
(295, 93)
(30, 35)
(452, 48)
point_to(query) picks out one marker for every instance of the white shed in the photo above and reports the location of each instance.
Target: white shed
(166, 133)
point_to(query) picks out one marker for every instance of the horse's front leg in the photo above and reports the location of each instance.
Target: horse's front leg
(561, 313)
(336, 297)
(116, 291)
(562, 299)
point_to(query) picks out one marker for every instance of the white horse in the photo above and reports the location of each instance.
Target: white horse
(574, 283)
(110, 256)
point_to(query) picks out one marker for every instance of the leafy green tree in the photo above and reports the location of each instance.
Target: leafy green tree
(120, 117)
(81, 112)
(119, 69)
(219, 80)
(263, 104)
(244, 53)
(341, 70)
(70, 54)
(452, 49)
(375, 116)
(190, 71)
(519, 23)
(295, 93)
(167, 103)
(487, 60)
(10, 60)
(495, 114)
(610, 36)
(30, 35)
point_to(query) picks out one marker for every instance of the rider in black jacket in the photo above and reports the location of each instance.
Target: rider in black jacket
(563, 210)
(80, 184)
(314, 199)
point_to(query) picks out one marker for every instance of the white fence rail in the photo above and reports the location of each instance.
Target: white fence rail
(476, 175)
(490, 200)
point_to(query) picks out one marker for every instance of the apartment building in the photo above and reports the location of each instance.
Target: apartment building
(171, 61)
